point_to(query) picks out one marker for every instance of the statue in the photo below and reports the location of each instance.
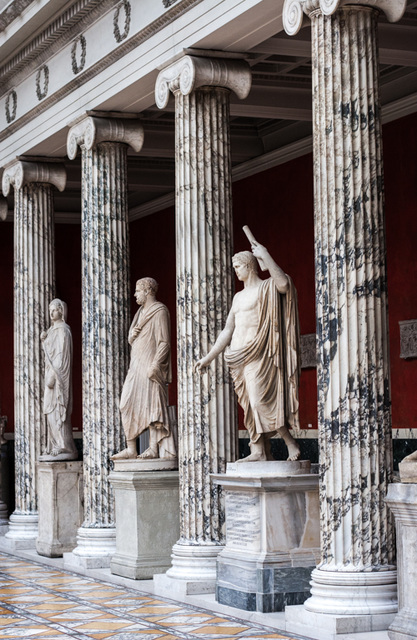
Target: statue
(261, 344)
(144, 399)
(57, 399)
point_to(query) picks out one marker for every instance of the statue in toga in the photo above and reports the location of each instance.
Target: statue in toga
(57, 399)
(261, 345)
(144, 399)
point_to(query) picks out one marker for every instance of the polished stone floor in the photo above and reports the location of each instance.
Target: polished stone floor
(45, 603)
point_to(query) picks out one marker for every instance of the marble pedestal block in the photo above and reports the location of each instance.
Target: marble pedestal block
(147, 521)
(272, 535)
(402, 500)
(4, 513)
(60, 507)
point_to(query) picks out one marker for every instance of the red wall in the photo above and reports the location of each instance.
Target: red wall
(278, 207)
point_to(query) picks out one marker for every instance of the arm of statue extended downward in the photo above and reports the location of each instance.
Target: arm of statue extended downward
(221, 343)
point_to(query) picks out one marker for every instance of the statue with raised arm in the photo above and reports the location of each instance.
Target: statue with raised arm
(57, 399)
(144, 399)
(261, 347)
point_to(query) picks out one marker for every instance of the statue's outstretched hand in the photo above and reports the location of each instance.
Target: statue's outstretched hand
(201, 365)
(258, 250)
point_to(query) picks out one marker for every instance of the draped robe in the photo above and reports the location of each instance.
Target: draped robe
(266, 370)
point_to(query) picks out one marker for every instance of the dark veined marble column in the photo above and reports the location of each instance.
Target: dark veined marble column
(34, 288)
(206, 405)
(105, 319)
(357, 573)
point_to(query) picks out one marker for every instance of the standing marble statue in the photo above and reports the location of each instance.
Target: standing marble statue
(57, 399)
(144, 400)
(261, 343)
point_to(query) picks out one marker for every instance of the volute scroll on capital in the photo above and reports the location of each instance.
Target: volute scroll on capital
(191, 72)
(23, 172)
(294, 10)
(93, 130)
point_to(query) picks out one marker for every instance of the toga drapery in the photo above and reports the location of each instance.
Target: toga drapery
(269, 364)
(144, 400)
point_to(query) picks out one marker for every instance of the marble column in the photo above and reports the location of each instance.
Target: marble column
(34, 288)
(206, 405)
(105, 319)
(356, 574)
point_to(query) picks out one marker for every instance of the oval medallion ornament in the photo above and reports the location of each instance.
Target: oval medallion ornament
(11, 106)
(78, 66)
(116, 30)
(42, 82)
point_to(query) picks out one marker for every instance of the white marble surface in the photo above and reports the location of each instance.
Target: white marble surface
(60, 506)
(34, 278)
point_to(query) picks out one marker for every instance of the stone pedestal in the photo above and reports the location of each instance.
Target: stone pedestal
(60, 507)
(4, 513)
(147, 521)
(402, 500)
(272, 535)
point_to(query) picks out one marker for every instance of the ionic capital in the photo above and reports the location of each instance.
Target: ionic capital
(92, 130)
(23, 172)
(294, 10)
(191, 72)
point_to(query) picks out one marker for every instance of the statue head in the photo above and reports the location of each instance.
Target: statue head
(144, 287)
(247, 259)
(58, 310)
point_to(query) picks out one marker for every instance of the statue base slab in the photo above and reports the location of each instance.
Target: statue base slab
(60, 457)
(145, 464)
(272, 535)
(408, 472)
(402, 500)
(147, 521)
(60, 507)
(95, 547)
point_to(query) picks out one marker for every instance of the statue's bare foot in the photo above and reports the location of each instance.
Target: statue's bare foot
(294, 452)
(254, 457)
(148, 454)
(125, 454)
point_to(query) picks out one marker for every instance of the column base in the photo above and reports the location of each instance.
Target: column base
(95, 547)
(324, 626)
(23, 531)
(193, 571)
(404, 626)
(353, 593)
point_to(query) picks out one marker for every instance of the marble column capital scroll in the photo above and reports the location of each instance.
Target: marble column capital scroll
(191, 72)
(294, 11)
(92, 130)
(21, 172)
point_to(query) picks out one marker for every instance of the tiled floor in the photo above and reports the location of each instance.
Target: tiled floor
(43, 603)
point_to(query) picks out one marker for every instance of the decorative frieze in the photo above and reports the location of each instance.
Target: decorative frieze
(408, 339)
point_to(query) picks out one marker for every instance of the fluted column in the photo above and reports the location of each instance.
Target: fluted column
(34, 288)
(356, 574)
(105, 318)
(206, 406)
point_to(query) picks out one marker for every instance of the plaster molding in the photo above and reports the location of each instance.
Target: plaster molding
(19, 173)
(294, 10)
(191, 72)
(91, 131)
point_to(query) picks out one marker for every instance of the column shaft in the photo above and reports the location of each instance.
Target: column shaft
(105, 323)
(206, 405)
(352, 325)
(34, 286)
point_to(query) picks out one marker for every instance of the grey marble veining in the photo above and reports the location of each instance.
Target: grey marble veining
(206, 405)
(34, 288)
(354, 410)
(105, 315)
